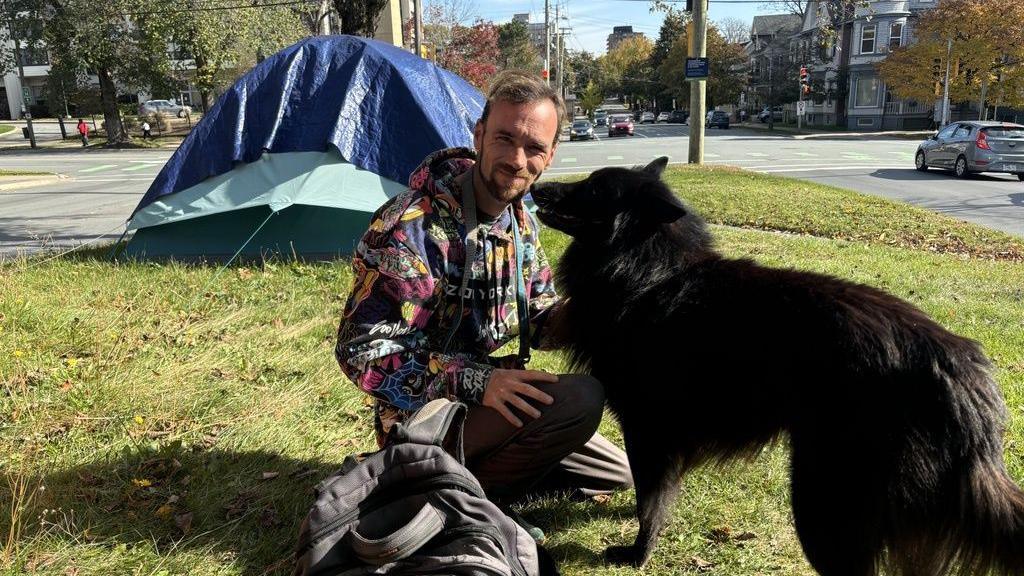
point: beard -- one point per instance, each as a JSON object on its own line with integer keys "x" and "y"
{"x": 505, "y": 194}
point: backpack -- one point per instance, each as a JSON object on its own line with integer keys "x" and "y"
{"x": 413, "y": 508}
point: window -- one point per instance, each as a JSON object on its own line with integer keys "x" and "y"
{"x": 867, "y": 92}
{"x": 948, "y": 131}
{"x": 865, "y": 122}
{"x": 867, "y": 39}
{"x": 895, "y": 35}
{"x": 963, "y": 132}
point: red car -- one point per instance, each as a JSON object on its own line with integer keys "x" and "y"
{"x": 620, "y": 124}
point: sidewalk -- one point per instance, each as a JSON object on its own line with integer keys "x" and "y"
{"x": 810, "y": 133}
{"x": 9, "y": 183}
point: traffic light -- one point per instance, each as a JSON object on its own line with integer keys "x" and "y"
{"x": 805, "y": 80}
{"x": 937, "y": 75}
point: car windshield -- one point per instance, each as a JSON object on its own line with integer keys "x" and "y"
{"x": 620, "y": 119}
{"x": 582, "y": 124}
{"x": 1005, "y": 131}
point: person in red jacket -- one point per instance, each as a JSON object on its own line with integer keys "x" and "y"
{"x": 83, "y": 131}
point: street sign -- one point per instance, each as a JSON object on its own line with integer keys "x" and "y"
{"x": 697, "y": 68}
{"x": 801, "y": 108}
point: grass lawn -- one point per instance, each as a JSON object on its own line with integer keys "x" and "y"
{"x": 9, "y": 172}
{"x": 5, "y": 128}
{"x": 172, "y": 419}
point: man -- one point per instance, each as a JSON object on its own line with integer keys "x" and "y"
{"x": 83, "y": 131}
{"x": 145, "y": 130}
{"x": 420, "y": 323}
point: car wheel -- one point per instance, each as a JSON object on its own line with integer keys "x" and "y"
{"x": 1020, "y": 176}
{"x": 181, "y": 113}
{"x": 919, "y": 162}
{"x": 960, "y": 168}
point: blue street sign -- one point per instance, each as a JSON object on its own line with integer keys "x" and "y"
{"x": 697, "y": 68}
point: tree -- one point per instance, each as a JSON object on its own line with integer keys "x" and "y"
{"x": 672, "y": 27}
{"x": 725, "y": 76}
{"x": 987, "y": 61}
{"x": 627, "y": 58}
{"x": 584, "y": 69}
{"x": 591, "y": 98}
{"x": 220, "y": 44}
{"x": 734, "y": 30}
{"x": 358, "y": 17}
{"x": 472, "y": 53}
{"x": 102, "y": 38}
{"x": 516, "y": 50}
{"x": 441, "y": 19}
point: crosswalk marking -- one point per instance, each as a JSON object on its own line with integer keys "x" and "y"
{"x": 98, "y": 168}
{"x": 138, "y": 167}
{"x": 807, "y": 154}
{"x": 615, "y": 157}
{"x": 568, "y": 159}
{"x": 757, "y": 154}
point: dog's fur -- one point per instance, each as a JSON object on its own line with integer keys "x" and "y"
{"x": 895, "y": 424}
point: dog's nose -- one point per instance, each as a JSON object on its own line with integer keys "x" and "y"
{"x": 541, "y": 194}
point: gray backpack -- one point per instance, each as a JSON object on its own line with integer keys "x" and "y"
{"x": 413, "y": 508}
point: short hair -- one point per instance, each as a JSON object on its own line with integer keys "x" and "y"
{"x": 518, "y": 87}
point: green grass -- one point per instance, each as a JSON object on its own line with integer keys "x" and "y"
{"x": 9, "y": 172}
{"x": 141, "y": 404}
{"x": 5, "y": 128}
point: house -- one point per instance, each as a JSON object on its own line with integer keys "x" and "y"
{"x": 768, "y": 53}
{"x": 874, "y": 30}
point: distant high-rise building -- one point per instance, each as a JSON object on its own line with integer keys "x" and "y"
{"x": 620, "y": 33}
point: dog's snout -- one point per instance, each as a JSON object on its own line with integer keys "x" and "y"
{"x": 542, "y": 194}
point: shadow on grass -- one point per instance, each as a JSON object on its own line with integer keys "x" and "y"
{"x": 245, "y": 505}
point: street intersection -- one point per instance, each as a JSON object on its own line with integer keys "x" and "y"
{"x": 103, "y": 186}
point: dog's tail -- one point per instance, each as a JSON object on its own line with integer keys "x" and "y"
{"x": 992, "y": 508}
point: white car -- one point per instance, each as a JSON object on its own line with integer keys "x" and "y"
{"x": 165, "y": 106}
{"x": 647, "y": 117}
{"x": 663, "y": 117}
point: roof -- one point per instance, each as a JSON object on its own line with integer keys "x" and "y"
{"x": 773, "y": 24}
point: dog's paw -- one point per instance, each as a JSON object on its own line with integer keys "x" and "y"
{"x": 624, "y": 555}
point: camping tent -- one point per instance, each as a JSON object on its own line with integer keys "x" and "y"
{"x": 296, "y": 156}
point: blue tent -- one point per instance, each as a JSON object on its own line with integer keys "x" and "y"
{"x": 296, "y": 156}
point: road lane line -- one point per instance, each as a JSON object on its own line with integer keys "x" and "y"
{"x": 615, "y": 158}
{"x": 138, "y": 167}
{"x": 568, "y": 159}
{"x": 98, "y": 168}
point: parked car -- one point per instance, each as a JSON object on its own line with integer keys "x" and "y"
{"x": 166, "y": 106}
{"x": 663, "y": 116}
{"x": 600, "y": 117}
{"x": 647, "y": 117}
{"x": 969, "y": 147}
{"x": 679, "y": 116}
{"x": 775, "y": 112}
{"x": 620, "y": 124}
{"x": 581, "y": 130}
{"x": 717, "y": 118}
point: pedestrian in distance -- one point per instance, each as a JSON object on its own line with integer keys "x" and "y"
{"x": 451, "y": 270}
{"x": 83, "y": 131}
{"x": 145, "y": 131}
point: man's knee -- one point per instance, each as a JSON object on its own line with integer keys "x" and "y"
{"x": 579, "y": 399}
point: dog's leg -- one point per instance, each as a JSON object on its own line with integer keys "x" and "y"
{"x": 656, "y": 477}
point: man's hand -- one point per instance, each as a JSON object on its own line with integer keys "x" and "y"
{"x": 508, "y": 388}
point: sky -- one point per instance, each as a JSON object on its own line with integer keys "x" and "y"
{"x": 592, "y": 20}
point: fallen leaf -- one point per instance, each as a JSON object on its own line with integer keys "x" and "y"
{"x": 700, "y": 563}
{"x": 601, "y": 498}
{"x": 164, "y": 512}
{"x": 244, "y": 273}
{"x": 270, "y": 475}
{"x": 278, "y": 323}
{"x": 184, "y": 522}
{"x": 720, "y": 533}
{"x": 66, "y": 385}
{"x": 142, "y": 482}
{"x": 745, "y": 536}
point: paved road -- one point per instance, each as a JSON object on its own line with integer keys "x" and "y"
{"x": 104, "y": 186}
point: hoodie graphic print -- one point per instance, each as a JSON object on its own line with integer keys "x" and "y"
{"x": 395, "y": 340}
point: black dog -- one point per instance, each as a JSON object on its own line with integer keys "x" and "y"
{"x": 895, "y": 424}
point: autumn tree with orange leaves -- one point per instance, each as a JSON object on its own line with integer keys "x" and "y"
{"x": 987, "y": 56}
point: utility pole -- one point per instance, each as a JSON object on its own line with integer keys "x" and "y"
{"x": 945, "y": 87}
{"x": 699, "y": 49}
{"x": 417, "y": 7}
{"x": 25, "y": 111}
{"x": 561, "y": 61}
{"x": 547, "y": 42}
{"x": 558, "y": 61}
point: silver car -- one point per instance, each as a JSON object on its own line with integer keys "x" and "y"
{"x": 969, "y": 147}
{"x": 165, "y": 106}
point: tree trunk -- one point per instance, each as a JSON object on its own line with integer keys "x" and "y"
{"x": 116, "y": 134}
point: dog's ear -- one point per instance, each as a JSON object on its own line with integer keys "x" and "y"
{"x": 661, "y": 205}
{"x": 657, "y": 166}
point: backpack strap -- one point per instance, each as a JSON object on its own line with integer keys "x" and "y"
{"x": 439, "y": 422}
{"x": 399, "y": 544}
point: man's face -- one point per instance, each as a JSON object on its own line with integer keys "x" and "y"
{"x": 515, "y": 146}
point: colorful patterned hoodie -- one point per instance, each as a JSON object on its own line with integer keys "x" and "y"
{"x": 408, "y": 272}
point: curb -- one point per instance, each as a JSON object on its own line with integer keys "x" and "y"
{"x": 28, "y": 181}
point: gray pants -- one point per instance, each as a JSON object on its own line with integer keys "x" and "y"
{"x": 559, "y": 451}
